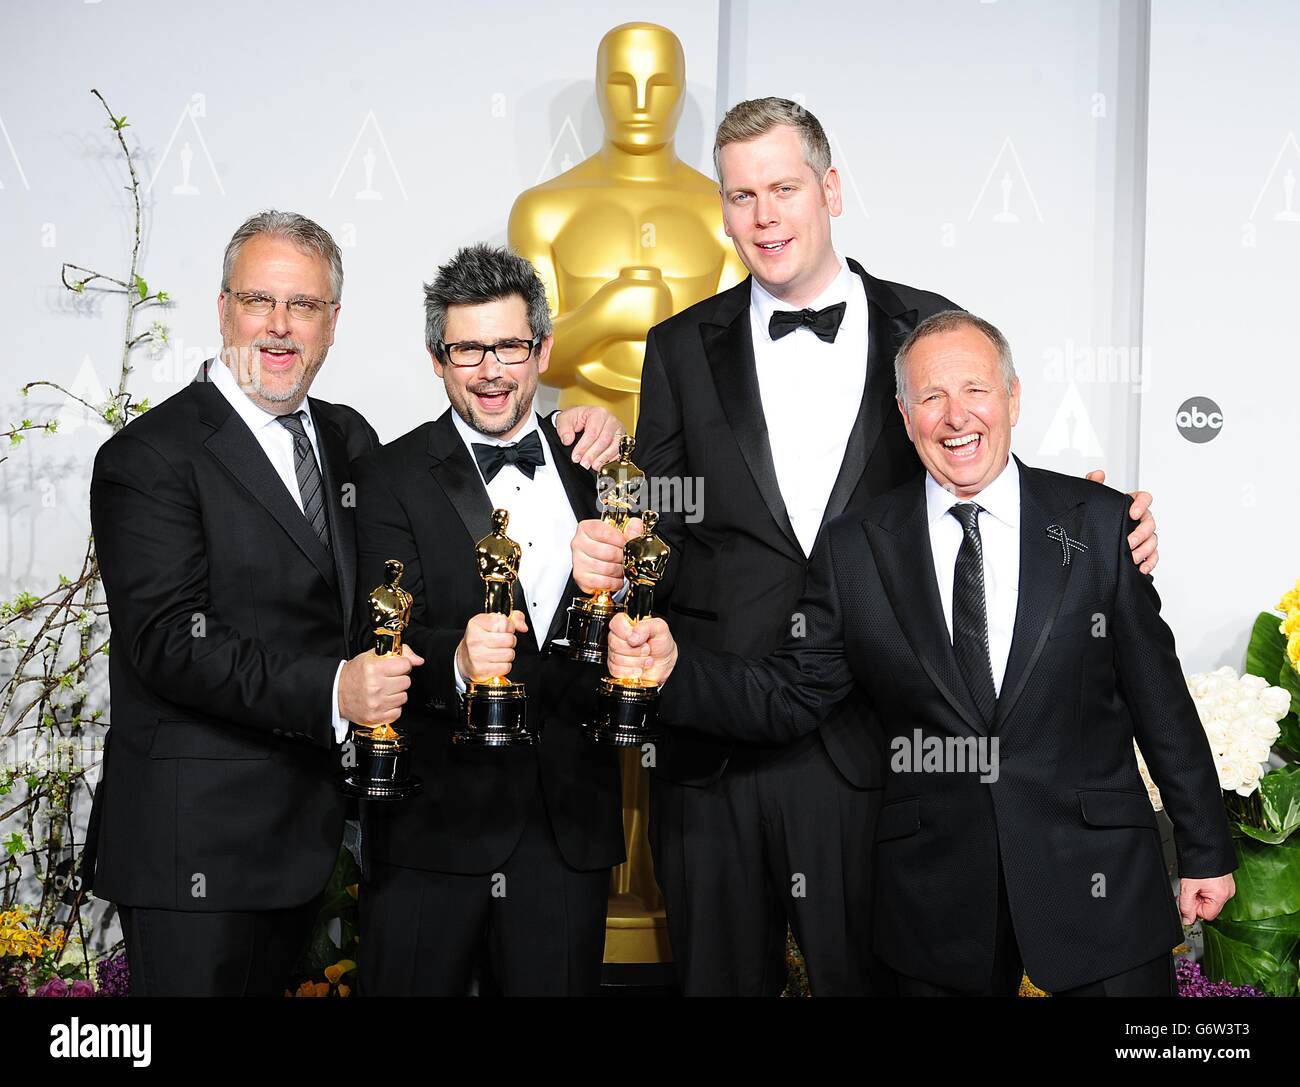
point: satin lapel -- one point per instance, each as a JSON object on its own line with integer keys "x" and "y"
{"x": 580, "y": 486}
{"x": 1043, "y": 577}
{"x": 901, "y": 545}
{"x": 730, "y": 351}
{"x": 334, "y": 469}
{"x": 886, "y": 331}
{"x": 233, "y": 444}
{"x": 454, "y": 470}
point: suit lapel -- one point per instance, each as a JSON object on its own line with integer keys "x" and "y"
{"x": 454, "y": 470}
{"x": 233, "y": 444}
{"x": 334, "y": 469}
{"x": 580, "y": 486}
{"x": 1043, "y": 577}
{"x": 887, "y": 327}
{"x": 729, "y": 347}
{"x": 901, "y": 545}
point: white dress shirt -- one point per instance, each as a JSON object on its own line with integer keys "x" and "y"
{"x": 811, "y": 391}
{"x": 542, "y": 523}
{"x": 277, "y": 444}
{"x": 999, "y": 527}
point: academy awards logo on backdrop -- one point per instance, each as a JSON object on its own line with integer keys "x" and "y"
{"x": 841, "y": 160}
{"x": 564, "y": 154}
{"x": 86, "y": 387}
{"x": 185, "y": 176}
{"x": 13, "y": 156}
{"x": 366, "y": 181}
{"x": 1010, "y": 196}
{"x": 1278, "y": 201}
{"x": 1199, "y": 419}
{"x": 1071, "y": 429}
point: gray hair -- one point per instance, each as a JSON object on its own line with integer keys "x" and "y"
{"x": 750, "y": 119}
{"x": 950, "y": 320}
{"x": 479, "y": 274}
{"x": 307, "y": 235}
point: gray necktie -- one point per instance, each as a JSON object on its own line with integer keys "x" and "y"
{"x": 305, "y": 468}
{"x": 970, "y": 623}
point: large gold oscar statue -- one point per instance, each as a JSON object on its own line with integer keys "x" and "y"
{"x": 625, "y": 239}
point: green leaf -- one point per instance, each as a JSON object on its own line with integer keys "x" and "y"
{"x": 1268, "y": 881}
{"x": 1288, "y": 679}
{"x": 1279, "y": 793}
{"x": 1233, "y": 960}
{"x": 1266, "y": 650}
{"x": 14, "y": 844}
{"x": 163, "y": 296}
{"x": 142, "y": 288}
{"x": 15, "y": 438}
{"x": 119, "y": 123}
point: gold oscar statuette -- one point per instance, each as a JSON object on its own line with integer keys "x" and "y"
{"x": 493, "y": 709}
{"x": 383, "y": 755}
{"x": 627, "y": 708}
{"x": 620, "y": 486}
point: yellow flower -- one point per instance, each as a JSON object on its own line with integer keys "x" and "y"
{"x": 333, "y": 973}
{"x": 344, "y": 990}
{"x": 1293, "y": 650}
{"x": 1290, "y": 599}
{"x": 1291, "y": 623}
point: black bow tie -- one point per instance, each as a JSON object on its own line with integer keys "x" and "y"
{"x": 525, "y": 454}
{"x": 825, "y": 323}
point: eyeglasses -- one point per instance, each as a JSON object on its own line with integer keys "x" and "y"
{"x": 300, "y": 309}
{"x": 506, "y": 352}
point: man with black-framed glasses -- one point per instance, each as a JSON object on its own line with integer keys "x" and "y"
{"x": 508, "y": 847}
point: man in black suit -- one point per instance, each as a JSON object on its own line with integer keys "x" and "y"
{"x": 227, "y": 551}
{"x": 989, "y": 619}
{"x": 511, "y": 847}
{"x": 775, "y": 395}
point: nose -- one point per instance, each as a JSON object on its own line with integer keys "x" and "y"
{"x": 277, "y": 321}
{"x": 955, "y": 414}
{"x": 641, "y": 92}
{"x": 765, "y": 213}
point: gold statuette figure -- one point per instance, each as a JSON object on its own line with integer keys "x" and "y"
{"x": 383, "y": 755}
{"x": 627, "y": 709}
{"x": 493, "y": 708}
{"x": 620, "y": 488}
{"x": 629, "y": 236}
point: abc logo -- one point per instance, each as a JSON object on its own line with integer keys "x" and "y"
{"x": 1199, "y": 419}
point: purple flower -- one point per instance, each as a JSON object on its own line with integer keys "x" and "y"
{"x": 113, "y": 975}
{"x": 81, "y": 988}
{"x": 1193, "y": 983}
{"x": 53, "y": 987}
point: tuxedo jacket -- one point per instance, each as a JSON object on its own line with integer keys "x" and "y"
{"x": 1092, "y": 667}
{"x": 735, "y": 575}
{"x": 229, "y": 621}
{"x": 421, "y": 499}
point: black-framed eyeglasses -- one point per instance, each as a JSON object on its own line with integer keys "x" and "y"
{"x": 507, "y": 352}
{"x": 302, "y": 308}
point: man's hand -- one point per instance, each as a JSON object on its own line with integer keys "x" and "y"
{"x": 600, "y": 434}
{"x": 597, "y": 557}
{"x": 643, "y": 650}
{"x": 1204, "y": 897}
{"x": 372, "y": 689}
{"x": 1142, "y": 540}
{"x": 488, "y": 648}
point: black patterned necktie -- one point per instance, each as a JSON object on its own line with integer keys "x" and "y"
{"x": 310, "y": 488}
{"x": 525, "y": 454}
{"x": 970, "y": 620}
{"x": 825, "y": 323}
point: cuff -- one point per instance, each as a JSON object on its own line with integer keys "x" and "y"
{"x": 340, "y": 722}
{"x": 462, "y": 685}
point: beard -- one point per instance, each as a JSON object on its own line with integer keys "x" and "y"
{"x": 488, "y": 424}
{"x": 248, "y": 370}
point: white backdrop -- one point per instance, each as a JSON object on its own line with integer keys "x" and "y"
{"x": 1081, "y": 172}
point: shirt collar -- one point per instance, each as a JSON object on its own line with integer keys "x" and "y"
{"x": 255, "y": 417}
{"x": 1000, "y": 499}
{"x": 763, "y": 303}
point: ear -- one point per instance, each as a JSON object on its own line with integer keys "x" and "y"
{"x": 334, "y": 322}
{"x": 722, "y": 200}
{"x": 1014, "y": 406}
{"x": 907, "y": 421}
{"x": 544, "y": 354}
{"x": 437, "y": 366}
{"x": 832, "y": 192}
{"x": 221, "y": 308}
